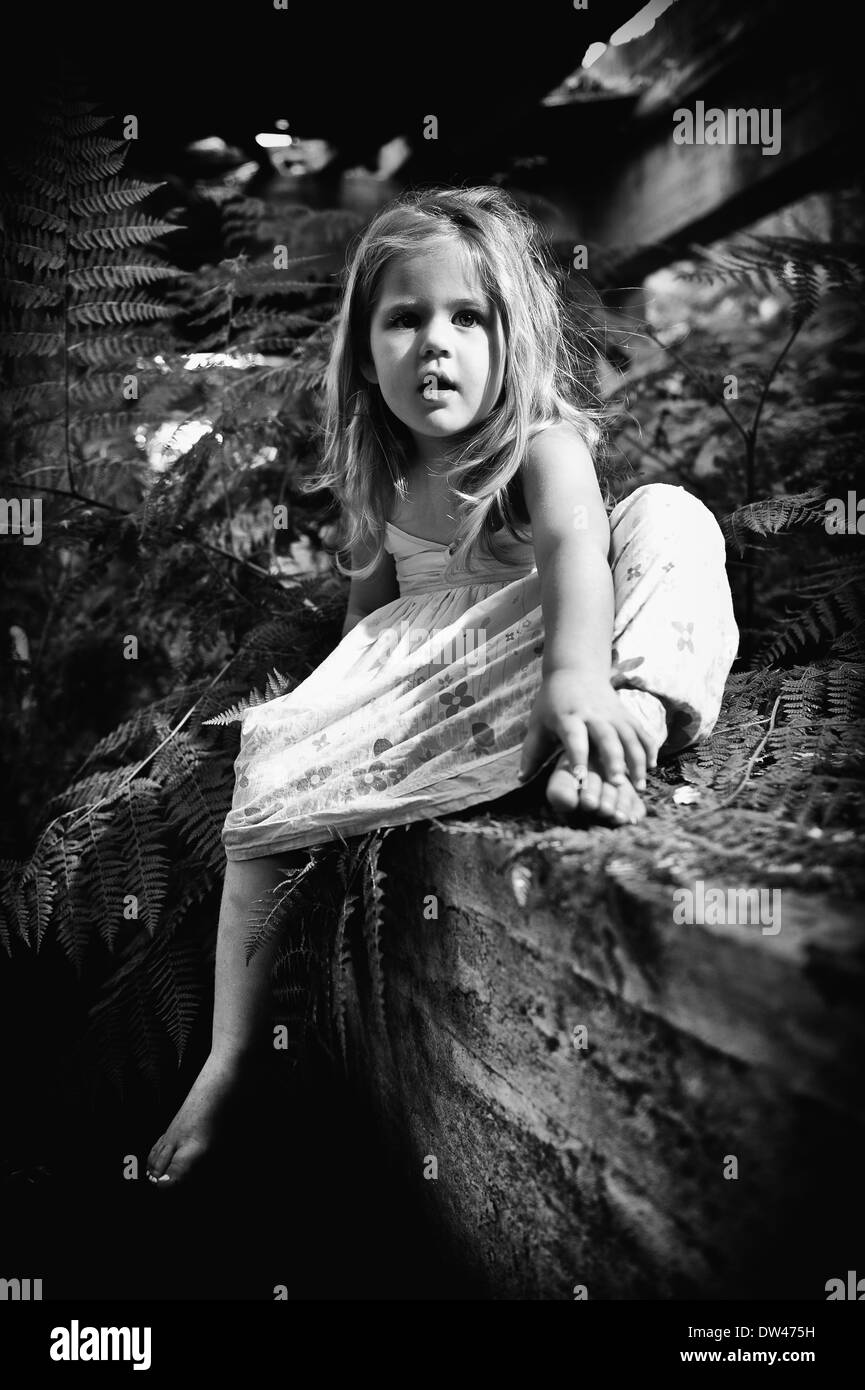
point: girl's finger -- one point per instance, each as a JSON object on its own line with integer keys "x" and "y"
{"x": 608, "y": 746}
{"x": 535, "y": 746}
{"x": 635, "y": 755}
{"x": 648, "y": 742}
{"x": 575, "y": 740}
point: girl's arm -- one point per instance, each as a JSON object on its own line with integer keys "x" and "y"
{"x": 366, "y": 595}
{"x": 576, "y": 705}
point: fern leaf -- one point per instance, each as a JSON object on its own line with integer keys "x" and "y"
{"x": 112, "y": 198}
{"x": 106, "y": 313}
{"x": 90, "y": 168}
{"x": 61, "y": 863}
{"x": 122, "y": 236}
{"x": 37, "y": 891}
{"x": 277, "y": 685}
{"x": 29, "y": 296}
{"x": 141, "y": 828}
{"x": 266, "y": 921}
{"x": 111, "y": 277}
{"x": 33, "y": 216}
{"x": 106, "y": 351}
{"x": 373, "y": 920}
{"x": 770, "y": 516}
{"x": 341, "y": 970}
{"x": 11, "y": 923}
{"x": 173, "y": 974}
{"x": 42, "y": 344}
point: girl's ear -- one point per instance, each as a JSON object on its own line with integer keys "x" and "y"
{"x": 368, "y": 371}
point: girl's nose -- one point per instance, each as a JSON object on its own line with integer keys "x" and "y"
{"x": 436, "y": 338}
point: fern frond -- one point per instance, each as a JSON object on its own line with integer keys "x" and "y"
{"x": 122, "y": 236}
{"x": 29, "y": 296}
{"x": 277, "y": 685}
{"x": 107, "y": 313}
{"x": 61, "y": 863}
{"x": 42, "y": 344}
{"x": 341, "y": 969}
{"x": 140, "y": 829}
{"x": 821, "y": 619}
{"x": 373, "y": 919}
{"x": 267, "y": 920}
{"x": 114, "y": 197}
{"x": 770, "y": 516}
{"x": 128, "y": 276}
{"x": 43, "y": 258}
{"x": 193, "y": 779}
{"x": 98, "y": 351}
{"x": 173, "y": 973}
{"x": 33, "y": 216}
{"x": 11, "y": 923}
{"x": 37, "y": 891}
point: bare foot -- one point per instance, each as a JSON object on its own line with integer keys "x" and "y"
{"x": 601, "y": 801}
{"x": 191, "y": 1133}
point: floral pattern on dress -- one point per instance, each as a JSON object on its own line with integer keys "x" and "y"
{"x": 456, "y": 699}
{"x": 351, "y": 749}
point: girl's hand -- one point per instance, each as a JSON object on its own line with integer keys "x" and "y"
{"x": 584, "y": 714}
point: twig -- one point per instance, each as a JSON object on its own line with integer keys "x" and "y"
{"x": 176, "y": 530}
{"x": 105, "y": 800}
{"x": 728, "y": 800}
{"x": 707, "y": 391}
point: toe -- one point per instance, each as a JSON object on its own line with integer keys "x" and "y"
{"x": 182, "y": 1159}
{"x": 562, "y": 791}
{"x": 590, "y": 793}
{"x": 159, "y": 1158}
{"x": 629, "y": 807}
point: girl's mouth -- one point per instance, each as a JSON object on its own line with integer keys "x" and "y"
{"x": 432, "y": 386}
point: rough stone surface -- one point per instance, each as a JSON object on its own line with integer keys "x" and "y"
{"x": 604, "y": 1166}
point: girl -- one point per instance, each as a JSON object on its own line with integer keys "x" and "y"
{"x": 497, "y": 618}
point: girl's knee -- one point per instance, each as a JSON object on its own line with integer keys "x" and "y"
{"x": 665, "y": 511}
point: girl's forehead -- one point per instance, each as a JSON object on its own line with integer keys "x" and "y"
{"x": 440, "y": 268}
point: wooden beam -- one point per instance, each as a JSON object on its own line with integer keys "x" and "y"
{"x": 638, "y": 200}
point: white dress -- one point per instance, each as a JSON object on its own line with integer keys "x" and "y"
{"x": 422, "y": 708}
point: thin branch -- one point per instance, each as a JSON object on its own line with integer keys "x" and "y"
{"x": 112, "y": 796}
{"x": 176, "y": 530}
{"x": 704, "y": 387}
{"x": 770, "y": 377}
{"x": 728, "y": 800}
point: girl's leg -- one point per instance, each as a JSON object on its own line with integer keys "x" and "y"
{"x": 675, "y": 636}
{"x": 240, "y": 1014}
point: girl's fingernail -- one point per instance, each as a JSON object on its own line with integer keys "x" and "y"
{"x": 641, "y": 785}
{"x": 617, "y": 779}
{"x": 579, "y": 773}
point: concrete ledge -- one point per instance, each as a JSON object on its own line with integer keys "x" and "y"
{"x": 604, "y": 1165}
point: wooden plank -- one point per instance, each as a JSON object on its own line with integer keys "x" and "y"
{"x": 690, "y": 46}
{"x": 604, "y": 1164}
{"x": 646, "y": 209}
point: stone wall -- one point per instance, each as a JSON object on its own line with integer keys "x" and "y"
{"x": 708, "y": 1050}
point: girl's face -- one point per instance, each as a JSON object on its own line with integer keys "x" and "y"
{"x": 437, "y": 345}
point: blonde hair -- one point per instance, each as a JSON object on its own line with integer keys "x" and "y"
{"x": 366, "y": 448}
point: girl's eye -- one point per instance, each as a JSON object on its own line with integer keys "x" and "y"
{"x": 399, "y": 318}
{"x": 469, "y": 314}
